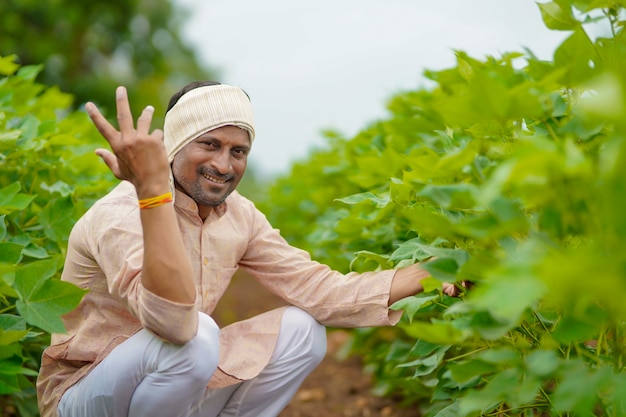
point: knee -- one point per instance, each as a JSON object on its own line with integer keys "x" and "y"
{"x": 310, "y": 333}
{"x": 208, "y": 330}
{"x": 202, "y": 351}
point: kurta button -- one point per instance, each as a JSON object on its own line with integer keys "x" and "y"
{"x": 205, "y": 261}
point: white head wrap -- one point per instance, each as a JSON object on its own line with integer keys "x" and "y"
{"x": 203, "y": 109}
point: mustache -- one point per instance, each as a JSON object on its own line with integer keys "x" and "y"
{"x": 213, "y": 173}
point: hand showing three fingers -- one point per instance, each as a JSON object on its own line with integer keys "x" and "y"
{"x": 137, "y": 155}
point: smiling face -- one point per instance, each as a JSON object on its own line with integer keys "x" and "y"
{"x": 209, "y": 168}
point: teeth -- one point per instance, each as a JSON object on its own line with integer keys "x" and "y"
{"x": 213, "y": 179}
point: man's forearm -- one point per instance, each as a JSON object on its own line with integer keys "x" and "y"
{"x": 406, "y": 282}
{"x": 166, "y": 266}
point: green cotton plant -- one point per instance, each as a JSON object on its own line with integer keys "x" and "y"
{"x": 508, "y": 173}
{"x": 49, "y": 177}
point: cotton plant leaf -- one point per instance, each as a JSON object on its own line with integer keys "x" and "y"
{"x": 557, "y": 16}
{"x": 442, "y": 333}
{"x": 411, "y": 305}
{"x": 11, "y": 199}
{"x": 44, "y": 300}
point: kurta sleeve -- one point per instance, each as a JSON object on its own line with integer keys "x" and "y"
{"x": 113, "y": 236}
{"x": 334, "y": 299}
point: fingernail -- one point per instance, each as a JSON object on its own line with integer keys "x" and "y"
{"x": 120, "y": 92}
{"x": 150, "y": 108}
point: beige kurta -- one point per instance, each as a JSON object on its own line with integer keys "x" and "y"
{"x": 105, "y": 257}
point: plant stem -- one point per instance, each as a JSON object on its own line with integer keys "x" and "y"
{"x": 467, "y": 354}
{"x": 521, "y": 407}
{"x": 593, "y": 45}
{"x": 4, "y": 310}
{"x": 545, "y": 395}
{"x": 528, "y": 332}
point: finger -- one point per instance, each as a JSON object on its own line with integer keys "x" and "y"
{"x": 104, "y": 127}
{"x": 145, "y": 120}
{"x": 158, "y": 133}
{"x": 449, "y": 289}
{"x": 111, "y": 161}
{"x": 124, "y": 115}
{"x": 449, "y": 292}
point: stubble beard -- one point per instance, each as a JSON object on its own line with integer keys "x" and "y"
{"x": 201, "y": 196}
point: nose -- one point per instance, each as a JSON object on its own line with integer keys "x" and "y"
{"x": 221, "y": 162}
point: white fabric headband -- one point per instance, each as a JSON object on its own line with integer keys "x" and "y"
{"x": 204, "y": 109}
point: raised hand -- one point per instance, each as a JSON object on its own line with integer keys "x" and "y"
{"x": 137, "y": 155}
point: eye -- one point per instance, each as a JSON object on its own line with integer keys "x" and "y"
{"x": 210, "y": 144}
{"x": 240, "y": 153}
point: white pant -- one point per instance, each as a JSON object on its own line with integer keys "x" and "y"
{"x": 145, "y": 376}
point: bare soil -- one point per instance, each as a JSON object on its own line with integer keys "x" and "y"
{"x": 337, "y": 388}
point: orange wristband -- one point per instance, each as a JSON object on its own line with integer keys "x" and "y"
{"x": 157, "y": 201}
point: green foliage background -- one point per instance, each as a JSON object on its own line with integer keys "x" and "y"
{"x": 89, "y": 48}
{"x": 50, "y": 176}
{"x": 510, "y": 173}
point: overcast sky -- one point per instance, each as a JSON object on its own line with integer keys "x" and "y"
{"x": 312, "y": 65}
